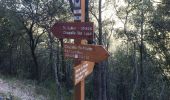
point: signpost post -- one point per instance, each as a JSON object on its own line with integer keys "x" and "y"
{"x": 79, "y": 91}
{"x": 85, "y": 55}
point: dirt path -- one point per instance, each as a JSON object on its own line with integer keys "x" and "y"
{"x": 21, "y": 90}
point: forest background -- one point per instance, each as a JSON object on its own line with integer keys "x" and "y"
{"x": 135, "y": 32}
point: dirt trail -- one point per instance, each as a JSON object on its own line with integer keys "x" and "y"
{"x": 20, "y": 89}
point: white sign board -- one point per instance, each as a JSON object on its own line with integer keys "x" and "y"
{"x": 81, "y": 71}
{"x": 77, "y": 11}
{"x": 77, "y": 17}
{"x": 77, "y": 4}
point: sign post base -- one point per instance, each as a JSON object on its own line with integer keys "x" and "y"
{"x": 79, "y": 91}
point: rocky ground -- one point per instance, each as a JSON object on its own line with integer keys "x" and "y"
{"x": 21, "y": 89}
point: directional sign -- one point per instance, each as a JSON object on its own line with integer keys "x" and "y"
{"x": 77, "y": 4}
{"x": 77, "y": 11}
{"x": 81, "y": 71}
{"x": 73, "y": 30}
{"x": 77, "y": 17}
{"x": 94, "y": 53}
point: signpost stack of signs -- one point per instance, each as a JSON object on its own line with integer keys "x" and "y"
{"x": 85, "y": 55}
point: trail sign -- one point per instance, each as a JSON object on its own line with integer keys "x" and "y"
{"x": 94, "y": 53}
{"x": 77, "y": 17}
{"x": 73, "y": 30}
{"x": 77, "y": 4}
{"x": 81, "y": 71}
{"x": 77, "y": 11}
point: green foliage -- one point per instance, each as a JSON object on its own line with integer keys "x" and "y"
{"x": 25, "y": 28}
{"x": 49, "y": 87}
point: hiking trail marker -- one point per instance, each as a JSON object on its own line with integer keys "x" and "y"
{"x": 88, "y": 52}
{"x": 73, "y": 30}
{"x": 81, "y": 71}
{"x": 85, "y": 55}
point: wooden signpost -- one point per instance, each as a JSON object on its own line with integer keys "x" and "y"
{"x": 85, "y": 55}
{"x": 79, "y": 89}
{"x": 81, "y": 71}
{"x": 88, "y": 52}
{"x": 73, "y": 30}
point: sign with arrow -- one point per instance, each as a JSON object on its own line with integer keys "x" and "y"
{"x": 73, "y": 30}
{"x": 94, "y": 53}
{"x": 81, "y": 71}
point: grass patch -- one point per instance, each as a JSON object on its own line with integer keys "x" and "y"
{"x": 46, "y": 88}
{"x": 54, "y": 92}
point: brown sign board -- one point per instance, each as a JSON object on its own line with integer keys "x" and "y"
{"x": 94, "y": 53}
{"x": 81, "y": 71}
{"x": 73, "y": 30}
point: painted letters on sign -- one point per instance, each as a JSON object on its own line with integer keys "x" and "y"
{"x": 73, "y": 30}
{"x": 81, "y": 71}
{"x": 94, "y": 53}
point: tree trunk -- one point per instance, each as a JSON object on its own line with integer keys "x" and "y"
{"x": 162, "y": 91}
{"x": 58, "y": 85}
{"x": 63, "y": 65}
{"x": 51, "y": 61}
{"x": 10, "y": 59}
{"x": 97, "y": 83}
{"x": 142, "y": 82}
{"x": 103, "y": 80}
{"x": 32, "y": 45}
{"x": 136, "y": 73}
{"x": 100, "y": 68}
{"x": 36, "y": 70}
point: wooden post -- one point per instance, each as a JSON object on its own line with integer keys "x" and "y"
{"x": 79, "y": 91}
{"x": 81, "y": 68}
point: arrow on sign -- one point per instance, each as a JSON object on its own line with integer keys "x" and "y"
{"x": 73, "y": 30}
{"x": 81, "y": 71}
{"x": 94, "y": 53}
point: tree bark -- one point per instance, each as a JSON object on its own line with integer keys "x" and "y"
{"x": 136, "y": 71}
{"x": 36, "y": 70}
{"x": 142, "y": 82}
{"x": 100, "y": 68}
{"x": 32, "y": 44}
{"x": 63, "y": 67}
